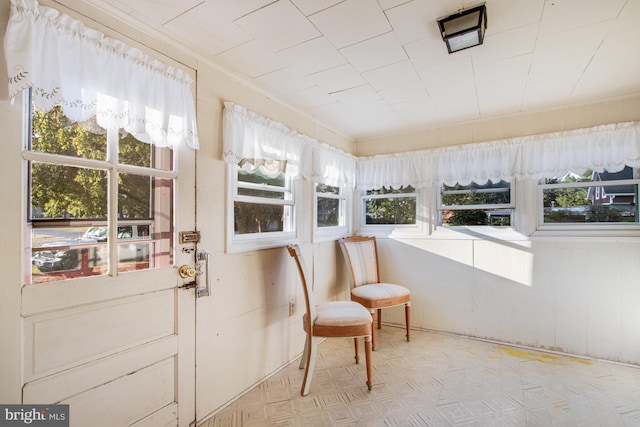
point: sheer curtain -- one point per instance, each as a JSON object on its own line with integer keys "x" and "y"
{"x": 68, "y": 64}
{"x": 247, "y": 135}
{"x": 609, "y": 147}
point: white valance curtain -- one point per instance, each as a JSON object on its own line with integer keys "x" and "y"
{"x": 609, "y": 147}
{"x": 65, "y": 63}
{"x": 247, "y": 135}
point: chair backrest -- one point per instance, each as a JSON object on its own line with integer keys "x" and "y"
{"x": 361, "y": 256}
{"x": 309, "y": 301}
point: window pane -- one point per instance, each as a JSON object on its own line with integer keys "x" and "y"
{"x": 134, "y": 196}
{"x": 54, "y": 133}
{"x": 259, "y": 218}
{"x": 66, "y": 192}
{"x": 67, "y": 252}
{"x": 400, "y": 210}
{"x": 391, "y": 190}
{"x": 131, "y": 151}
{"x": 474, "y": 194}
{"x": 145, "y": 225}
{"x": 603, "y": 202}
{"x": 328, "y": 212}
{"x": 327, "y": 189}
{"x": 494, "y": 217}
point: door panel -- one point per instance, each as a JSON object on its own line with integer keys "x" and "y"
{"x": 67, "y": 338}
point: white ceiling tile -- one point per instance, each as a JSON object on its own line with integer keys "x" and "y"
{"x": 375, "y": 52}
{"x": 628, "y": 18}
{"x": 417, "y": 20}
{"x": 404, "y": 93}
{"x": 427, "y": 52}
{"x": 501, "y": 97}
{"x": 279, "y": 25}
{"x": 309, "y": 7}
{"x": 338, "y": 78}
{"x": 541, "y": 94}
{"x": 351, "y": 21}
{"x": 156, "y": 11}
{"x": 251, "y": 59}
{"x": 507, "y": 44}
{"x": 209, "y": 37}
{"x": 575, "y": 42}
{"x": 457, "y": 100}
{"x": 517, "y": 66}
{"x": 313, "y": 56}
{"x": 357, "y": 96}
{"x": 285, "y": 80}
{"x": 388, "y": 4}
{"x": 563, "y": 15}
{"x": 311, "y": 97}
{"x": 393, "y": 75}
{"x": 503, "y": 15}
{"x": 567, "y": 69}
{"x": 449, "y": 71}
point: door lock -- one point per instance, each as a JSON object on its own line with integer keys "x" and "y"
{"x": 186, "y": 271}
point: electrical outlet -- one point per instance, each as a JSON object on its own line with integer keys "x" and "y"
{"x": 292, "y": 307}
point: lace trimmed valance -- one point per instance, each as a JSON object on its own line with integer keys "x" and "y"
{"x": 609, "y": 147}
{"x": 65, "y": 63}
{"x": 247, "y": 135}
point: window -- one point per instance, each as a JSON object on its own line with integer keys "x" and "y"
{"x": 83, "y": 180}
{"x": 263, "y": 203}
{"x": 589, "y": 198}
{"x": 474, "y": 204}
{"x": 390, "y": 206}
{"x": 330, "y": 211}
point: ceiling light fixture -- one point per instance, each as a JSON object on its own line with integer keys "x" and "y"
{"x": 464, "y": 29}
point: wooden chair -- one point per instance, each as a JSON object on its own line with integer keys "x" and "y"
{"x": 361, "y": 256}
{"x": 346, "y": 319}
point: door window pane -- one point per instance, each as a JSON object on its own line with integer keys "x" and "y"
{"x": 54, "y": 133}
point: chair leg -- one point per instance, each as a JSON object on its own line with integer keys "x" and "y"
{"x": 310, "y": 365}
{"x": 368, "y": 348}
{"x": 355, "y": 343}
{"x": 407, "y": 318}
{"x": 379, "y": 318}
{"x": 373, "y": 331}
{"x": 303, "y": 359}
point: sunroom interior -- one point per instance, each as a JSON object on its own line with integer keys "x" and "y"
{"x": 349, "y": 117}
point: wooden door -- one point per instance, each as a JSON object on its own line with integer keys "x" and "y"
{"x": 107, "y": 326}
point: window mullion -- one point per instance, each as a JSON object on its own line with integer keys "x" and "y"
{"x": 112, "y": 201}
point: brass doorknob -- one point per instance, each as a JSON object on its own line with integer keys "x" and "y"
{"x": 186, "y": 271}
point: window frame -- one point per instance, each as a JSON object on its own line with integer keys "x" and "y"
{"x": 256, "y": 241}
{"x": 601, "y": 228}
{"x": 417, "y": 230}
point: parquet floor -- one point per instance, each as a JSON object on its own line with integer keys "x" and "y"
{"x": 442, "y": 380}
